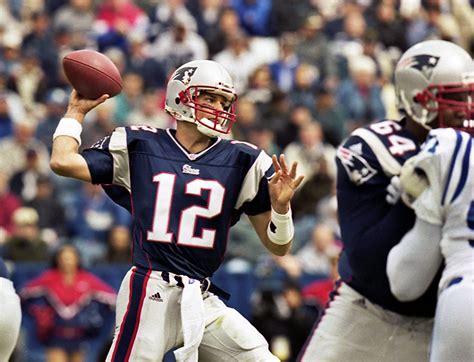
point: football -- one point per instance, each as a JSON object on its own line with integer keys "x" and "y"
{"x": 92, "y": 74}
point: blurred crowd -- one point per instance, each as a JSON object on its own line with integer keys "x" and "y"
{"x": 307, "y": 72}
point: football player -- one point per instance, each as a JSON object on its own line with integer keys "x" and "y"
{"x": 365, "y": 321}
{"x": 443, "y": 231}
{"x": 185, "y": 188}
{"x": 10, "y": 315}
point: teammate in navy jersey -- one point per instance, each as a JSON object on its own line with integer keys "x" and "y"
{"x": 364, "y": 321}
{"x": 10, "y": 314}
{"x": 185, "y": 189}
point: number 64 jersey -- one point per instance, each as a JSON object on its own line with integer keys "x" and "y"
{"x": 182, "y": 204}
{"x": 370, "y": 226}
{"x": 447, "y": 159}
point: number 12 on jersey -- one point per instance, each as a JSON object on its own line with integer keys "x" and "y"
{"x": 186, "y": 229}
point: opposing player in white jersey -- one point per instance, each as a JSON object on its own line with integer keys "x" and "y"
{"x": 10, "y": 315}
{"x": 185, "y": 188}
{"x": 444, "y": 231}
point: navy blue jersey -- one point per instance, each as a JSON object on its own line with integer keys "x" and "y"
{"x": 182, "y": 204}
{"x": 370, "y": 226}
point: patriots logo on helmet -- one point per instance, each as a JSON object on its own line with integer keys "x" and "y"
{"x": 357, "y": 168}
{"x": 425, "y": 63}
{"x": 184, "y": 74}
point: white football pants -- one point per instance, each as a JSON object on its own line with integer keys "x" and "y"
{"x": 453, "y": 335}
{"x": 354, "y": 329}
{"x": 148, "y": 324}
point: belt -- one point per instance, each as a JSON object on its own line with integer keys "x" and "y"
{"x": 206, "y": 285}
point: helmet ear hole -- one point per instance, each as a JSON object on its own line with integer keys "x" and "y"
{"x": 177, "y": 100}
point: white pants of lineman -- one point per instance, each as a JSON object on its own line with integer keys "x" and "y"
{"x": 148, "y": 324}
{"x": 453, "y": 334}
{"x": 10, "y": 318}
{"x": 354, "y": 329}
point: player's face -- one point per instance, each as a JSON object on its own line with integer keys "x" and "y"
{"x": 456, "y": 110}
{"x": 211, "y": 106}
{"x": 213, "y": 101}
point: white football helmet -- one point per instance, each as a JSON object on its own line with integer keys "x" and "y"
{"x": 185, "y": 85}
{"x": 432, "y": 76}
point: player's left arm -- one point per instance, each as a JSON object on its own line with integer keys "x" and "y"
{"x": 275, "y": 228}
{"x": 413, "y": 263}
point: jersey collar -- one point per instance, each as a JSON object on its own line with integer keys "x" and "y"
{"x": 192, "y": 156}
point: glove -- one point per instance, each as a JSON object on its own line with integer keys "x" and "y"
{"x": 413, "y": 181}
{"x": 394, "y": 191}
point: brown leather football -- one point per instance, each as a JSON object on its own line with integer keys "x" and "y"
{"x": 92, "y": 74}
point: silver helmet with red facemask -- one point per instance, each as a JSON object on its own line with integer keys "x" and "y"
{"x": 188, "y": 82}
{"x": 434, "y": 76}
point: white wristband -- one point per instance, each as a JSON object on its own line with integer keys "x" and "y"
{"x": 280, "y": 229}
{"x": 69, "y": 127}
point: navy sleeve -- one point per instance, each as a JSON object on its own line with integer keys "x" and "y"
{"x": 261, "y": 202}
{"x": 100, "y": 162}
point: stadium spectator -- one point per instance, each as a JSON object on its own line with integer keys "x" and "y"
{"x": 254, "y": 15}
{"x": 23, "y": 182}
{"x": 313, "y": 47}
{"x": 288, "y": 15}
{"x": 25, "y": 243}
{"x": 150, "y": 112}
{"x": 318, "y": 292}
{"x": 117, "y": 18}
{"x": 207, "y": 14}
{"x": 178, "y": 45}
{"x": 129, "y": 99}
{"x": 164, "y": 14}
{"x": 55, "y": 105}
{"x": 39, "y": 43}
{"x": 238, "y": 59}
{"x": 306, "y": 79}
{"x": 390, "y": 27}
{"x": 78, "y": 17}
{"x": 52, "y": 219}
{"x": 29, "y": 80}
{"x": 10, "y": 202}
{"x": 118, "y": 246}
{"x": 13, "y": 150}
{"x": 264, "y": 138}
{"x": 100, "y": 124}
{"x": 15, "y": 108}
{"x": 247, "y": 113}
{"x": 229, "y": 24}
{"x": 69, "y": 306}
{"x": 330, "y": 115}
{"x": 360, "y": 96}
{"x": 316, "y": 158}
{"x": 140, "y": 61}
{"x": 90, "y": 218}
{"x": 283, "y": 70}
{"x": 315, "y": 257}
{"x": 6, "y": 121}
{"x": 284, "y": 317}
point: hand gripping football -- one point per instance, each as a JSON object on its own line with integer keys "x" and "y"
{"x": 92, "y": 74}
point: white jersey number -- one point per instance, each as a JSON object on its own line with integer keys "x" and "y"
{"x": 164, "y": 197}
{"x": 398, "y": 145}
